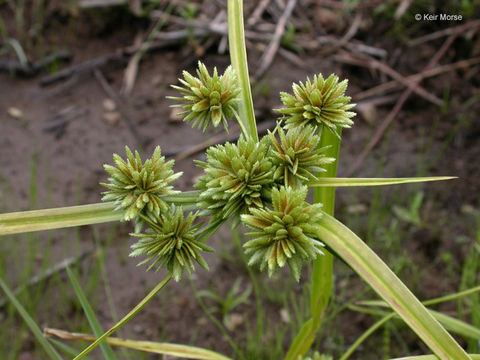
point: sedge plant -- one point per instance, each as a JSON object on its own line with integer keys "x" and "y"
{"x": 261, "y": 185}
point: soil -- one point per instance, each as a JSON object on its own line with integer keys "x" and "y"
{"x": 423, "y": 139}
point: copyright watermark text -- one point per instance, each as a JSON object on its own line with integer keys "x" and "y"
{"x": 438, "y": 17}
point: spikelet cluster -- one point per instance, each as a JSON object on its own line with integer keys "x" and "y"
{"x": 136, "y": 187}
{"x": 208, "y": 99}
{"x": 237, "y": 177}
{"x": 170, "y": 241}
{"x": 297, "y": 155}
{"x": 318, "y": 102}
{"x": 284, "y": 234}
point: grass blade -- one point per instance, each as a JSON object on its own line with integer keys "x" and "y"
{"x": 350, "y": 182}
{"x": 92, "y": 319}
{"x": 450, "y": 323}
{"x": 177, "y": 350}
{"x": 70, "y": 216}
{"x": 48, "y": 219}
{"x": 49, "y": 349}
{"x": 379, "y": 276}
{"x": 127, "y": 317}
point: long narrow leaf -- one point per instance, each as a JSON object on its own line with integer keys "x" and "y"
{"x": 177, "y": 350}
{"x": 49, "y": 349}
{"x": 450, "y": 323}
{"x": 354, "y": 182}
{"x": 70, "y": 216}
{"x": 47, "y": 219}
{"x": 92, "y": 319}
{"x": 378, "y": 275}
{"x": 126, "y": 318}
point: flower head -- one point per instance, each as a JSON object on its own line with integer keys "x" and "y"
{"x": 321, "y": 102}
{"x": 285, "y": 234}
{"x": 170, "y": 241}
{"x": 208, "y": 99}
{"x": 297, "y": 155}
{"x": 237, "y": 177}
{"x": 136, "y": 187}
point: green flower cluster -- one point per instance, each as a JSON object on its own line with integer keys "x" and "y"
{"x": 136, "y": 188}
{"x": 286, "y": 233}
{"x": 266, "y": 182}
{"x": 237, "y": 177}
{"x": 262, "y": 183}
{"x": 208, "y": 99}
{"x": 321, "y": 102}
{"x": 170, "y": 241}
{"x": 297, "y": 155}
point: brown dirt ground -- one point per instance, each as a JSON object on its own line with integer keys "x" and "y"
{"x": 70, "y": 164}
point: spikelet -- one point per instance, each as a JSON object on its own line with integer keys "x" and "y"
{"x": 284, "y": 234}
{"x": 136, "y": 188}
{"x": 321, "y": 102}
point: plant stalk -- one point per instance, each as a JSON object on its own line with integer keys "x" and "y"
{"x": 126, "y": 318}
{"x": 322, "y": 275}
{"x": 238, "y": 58}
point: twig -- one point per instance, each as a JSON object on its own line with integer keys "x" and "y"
{"x": 352, "y": 30}
{"x": 29, "y": 69}
{"x": 132, "y": 67}
{"x": 398, "y": 106}
{"x": 402, "y": 8}
{"x": 269, "y": 54}
{"x": 448, "y": 31}
{"x": 257, "y": 13}
{"x": 85, "y": 4}
{"x": 59, "y": 121}
{"x": 382, "y": 88}
{"x": 47, "y": 274}
{"x": 115, "y": 98}
{"x": 99, "y": 62}
{"x": 368, "y": 61}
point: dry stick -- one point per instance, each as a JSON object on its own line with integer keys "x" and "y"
{"x": 352, "y": 30}
{"x": 368, "y": 61}
{"x": 220, "y": 138}
{"x": 398, "y": 106}
{"x": 448, "y": 31}
{"x": 272, "y": 49}
{"x": 115, "y": 98}
{"x": 48, "y": 273}
{"x": 390, "y": 85}
{"x": 132, "y": 68}
{"x": 90, "y": 65}
{"x": 257, "y": 13}
{"x": 402, "y": 8}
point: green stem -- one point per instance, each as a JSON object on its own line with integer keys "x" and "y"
{"x": 127, "y": 317}
{"x": 238, "y": 58}
{"x": 70, "y": 216}
{"x": 322, "y": 275}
